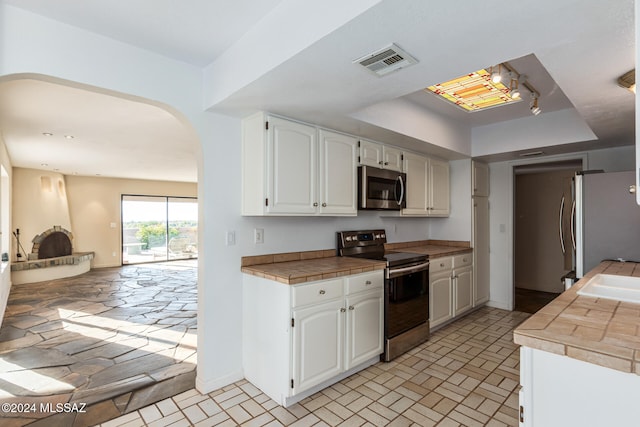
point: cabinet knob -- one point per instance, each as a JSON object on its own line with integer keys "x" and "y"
{"x": 322, "y": 292}
{"x": 315, "y": 204}
{"x": 442, "y": 264}
{"x": 386, "y": 163}
{"x": 324, "y": 205}
{"x": 380, "y": 162}
{"x": 351, "y": 307}
{"x": 368, "y": 282}
{"x": 464, "y": 260}
{"x": 342, "y": 310}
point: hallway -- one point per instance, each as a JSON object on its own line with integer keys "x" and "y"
{"x": 115, "y": 339}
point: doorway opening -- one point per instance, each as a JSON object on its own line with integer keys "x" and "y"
{"x": 158, "y": 228}
{"x": 544, "y": 252}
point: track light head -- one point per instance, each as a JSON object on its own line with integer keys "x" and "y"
{"x": 535, "y": 110}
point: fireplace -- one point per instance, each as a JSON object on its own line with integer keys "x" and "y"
{"x": 54, "y": 242}
{"x": 53, "y": 248}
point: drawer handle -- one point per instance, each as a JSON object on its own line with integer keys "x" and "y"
{"x": 342, "y": 310}
{"x": 368, "y": 282}
{"x": 322, "y": 292}
{"x": 351, "y": 307}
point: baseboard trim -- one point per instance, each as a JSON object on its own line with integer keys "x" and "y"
{"x": 499, "y": 304}
{"x": 207, "y": 386}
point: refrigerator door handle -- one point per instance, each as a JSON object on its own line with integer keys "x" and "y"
{"x": 573, "y": 225}
{"x": 560, "y": 231}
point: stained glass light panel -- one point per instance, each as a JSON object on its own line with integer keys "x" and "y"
{"x": 474, "y": 92}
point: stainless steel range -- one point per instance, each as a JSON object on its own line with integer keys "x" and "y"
{"x": 406, "y": 289}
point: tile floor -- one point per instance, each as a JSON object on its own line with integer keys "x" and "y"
{"x": 116, "y": 339}
{"x": 467, "y": 374}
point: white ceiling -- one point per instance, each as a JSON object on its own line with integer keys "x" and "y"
{"x": 572, "y": 50}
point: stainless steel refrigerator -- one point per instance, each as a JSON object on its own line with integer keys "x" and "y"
{"x": 606, "y": 219}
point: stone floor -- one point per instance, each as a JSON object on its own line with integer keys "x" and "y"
{"x": 467, "y": 374}
{"x": 113, "y": 339}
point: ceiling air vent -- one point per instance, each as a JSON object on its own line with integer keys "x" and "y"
{"x": 386, "y": 60}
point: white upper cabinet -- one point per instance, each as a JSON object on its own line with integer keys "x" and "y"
{"x": 292, "y": 150}
{"x": 338, "y": 174}
{"x": 291, "y": 168}
{"x": 380, "y": 156}
{"x": 480, "y": 179}
{"x": 427, "y": 186}
{"x": 439, "y": 187}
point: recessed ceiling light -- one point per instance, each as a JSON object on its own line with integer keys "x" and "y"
{"x": 47, "y": 133}
{"x": 44, "y": 165}
{"x": 69, "y": 136}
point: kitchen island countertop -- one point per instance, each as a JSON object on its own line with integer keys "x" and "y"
{"x": 595, "y": 330}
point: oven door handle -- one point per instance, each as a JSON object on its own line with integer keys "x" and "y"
{"x": 407, "y": 270}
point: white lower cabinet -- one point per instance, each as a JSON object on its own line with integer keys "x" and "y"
{"x": 298, "y": 339}
{"x": 559, "y": 391}
{"x": 450, "y": 288}
{"x": 318, "y": 341}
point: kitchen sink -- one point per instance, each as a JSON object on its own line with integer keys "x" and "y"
{"x": 611, "y": 286}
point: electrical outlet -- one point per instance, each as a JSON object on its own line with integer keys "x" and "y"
{"x": 231, "y": 238}
{"x": 258, "y": 235}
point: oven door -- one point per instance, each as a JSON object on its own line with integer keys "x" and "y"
{"x": 406, "y": 298}
{"x": 381, "y": 189}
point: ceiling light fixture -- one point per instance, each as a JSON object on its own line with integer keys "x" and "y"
{"x": 47, "y": 133}
{"x": 628, "y": 81}
{"x": 496, "y": 76}
{"x": 69, "y": 136}
{"x": 535, "y": 110}
{"x": 513, "y": 85}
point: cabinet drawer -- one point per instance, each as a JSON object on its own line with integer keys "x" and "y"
{"x": 316, "y": 292}
{"x": 365, "y": 282}
{"x": 440, "y": 264}
{"x": 462, "y": 260}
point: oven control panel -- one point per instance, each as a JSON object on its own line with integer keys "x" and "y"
{"x": 349, "y": 239}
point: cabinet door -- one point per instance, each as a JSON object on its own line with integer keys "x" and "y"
{"x": 391, "y": 158}
{"x": 463, "y": 290}
{"x": 338, "y": 178}
{"x": 439, "y": 187}
{"x": 371, "y": 153}
{"x": 481, "y": 249}
{"x": 440, "y": 298}
{"x": 480, "y": 179}
{"x": 365, "y": 328}
{"x": 291, "y": 167}
{"x": 318, "y": 349}
{"x": 416, "y": 168}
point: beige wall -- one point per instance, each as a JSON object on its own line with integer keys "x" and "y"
{"x": 5, "y": 225}
{"x": 94, "y": 204}
{"x": 39, "y": 203}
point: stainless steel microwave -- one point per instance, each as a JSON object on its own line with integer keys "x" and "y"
{"x": 381, "y": 189}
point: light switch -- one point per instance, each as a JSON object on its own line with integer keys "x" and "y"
{"x": 231, "y": 238}
{"x": 112, "y": 225}
{"x": 258, "y": 235}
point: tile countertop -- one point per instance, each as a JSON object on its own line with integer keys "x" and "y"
{"x": 299, "y": 267}
{"x": 595, "y": 330}
{"x": 433, "y": 251}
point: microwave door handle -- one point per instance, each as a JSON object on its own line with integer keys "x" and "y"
{"x": 399, "y": 200}
{"x": 560, "y": 228}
